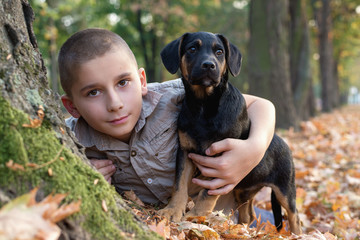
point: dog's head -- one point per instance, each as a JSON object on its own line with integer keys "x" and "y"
{"x": 203, "y": 58}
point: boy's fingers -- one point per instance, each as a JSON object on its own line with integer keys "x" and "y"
{"x": 208, "y": 184}
{"x": 215, "y": 186}
{"x": 206, "y": 171}
{"x": 107, "y": 170}
{"x": 98, "y": 163}
{"x": 108, "y": 177}
{"x": 202, "y": 160}
{"x": 221, "y": 191}
{"x": 219, "y": 147}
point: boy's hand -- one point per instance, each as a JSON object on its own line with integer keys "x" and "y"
{"x": 105, "y": 167}
{"x": 235, "y": 160}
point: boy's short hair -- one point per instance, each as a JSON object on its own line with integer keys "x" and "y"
{"x": 84, "y": 46}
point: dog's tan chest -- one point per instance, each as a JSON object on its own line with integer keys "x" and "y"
{"x": 189, "y": 144}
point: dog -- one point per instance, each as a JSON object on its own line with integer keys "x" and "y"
{"x": 213, "y": 110}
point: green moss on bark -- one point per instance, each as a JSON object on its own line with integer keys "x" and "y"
{"x": 72, "y": 176}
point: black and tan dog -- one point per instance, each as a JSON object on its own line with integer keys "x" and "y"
{"x": 214, "y": 110}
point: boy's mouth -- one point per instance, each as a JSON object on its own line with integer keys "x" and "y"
{"x": 118, "y": 121}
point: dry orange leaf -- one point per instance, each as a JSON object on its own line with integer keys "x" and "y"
{"x": 14, "y": 166}
{"x": 332, "y": 187}
{"x": 132, "y": 197}
{"x": 196, "y": 219}
{"x": 301, "y": 174}
{"x": 299, "y": 155}
{"x": 32, "y": 165}
{"x": 64, "y": 211}
{"x": 24, "y": 218}
{"x": 35, "y": 123}
{"x": 161, "y": 228}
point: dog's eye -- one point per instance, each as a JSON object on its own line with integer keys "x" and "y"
{"x": 192, "y": 49}
{"x": 219, "y": 52}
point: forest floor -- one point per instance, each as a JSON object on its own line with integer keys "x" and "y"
{"x": 326, "y": 153}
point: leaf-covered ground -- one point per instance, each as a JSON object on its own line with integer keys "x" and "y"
{"x": 326, "y": 153}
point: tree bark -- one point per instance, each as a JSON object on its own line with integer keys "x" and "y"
{"x": 269, "y": 70}
{"x": 149, "y": 52}
{"x": 300, "y": 72}
{"x": 329, "y": 86}
{"x": 23, "y": 88}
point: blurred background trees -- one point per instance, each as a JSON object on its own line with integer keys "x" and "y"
{"x": 303, "y": 55}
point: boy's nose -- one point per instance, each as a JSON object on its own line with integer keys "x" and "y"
{"x": 114, "y": 102}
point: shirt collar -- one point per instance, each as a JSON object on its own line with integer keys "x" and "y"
{"x": 150, "y": 101}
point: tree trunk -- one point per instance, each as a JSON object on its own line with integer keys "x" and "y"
{"x": 329, "y": 86}
{"x": 23, "y": 88}
{"x": 150, "y": 52}
{"x": 301, "y": 82}
{"x": 269, "y": 70}
{"x": 53, "y": 59}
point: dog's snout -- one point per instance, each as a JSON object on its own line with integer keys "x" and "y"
{"x": 208, "y": 65}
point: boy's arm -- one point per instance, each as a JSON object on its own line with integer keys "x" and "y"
{"x": 238, "y": 157}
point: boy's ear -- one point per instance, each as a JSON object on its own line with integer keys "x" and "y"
{"x": 142, "y": 76}
{"x": 70, "y": 107}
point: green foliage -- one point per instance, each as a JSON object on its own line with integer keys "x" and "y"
{"x": 346, "y": 39}
{"x": 147, "y": 25}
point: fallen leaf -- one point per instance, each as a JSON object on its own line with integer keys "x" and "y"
{"x": 35, "y": 123}
{"x": 161, "y": 228}
{"x": 196, "y": 219}
{"x": 32, "y": 165}
{"x": 24, "y": 218}
{"x": 14, "y": 166}
{"x": 130, "y": 195}
{"x": 104, "y": 206}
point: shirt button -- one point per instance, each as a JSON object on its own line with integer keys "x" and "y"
{"x": 133, "y": 153}
{"x": 149, "y": 181}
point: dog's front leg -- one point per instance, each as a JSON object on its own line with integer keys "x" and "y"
{"x": 204, "y": 205}
{"x": 184, "y": 172}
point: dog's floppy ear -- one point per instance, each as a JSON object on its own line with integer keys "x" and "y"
{"x": 233, "y": 56}
{"x": 170, "y": 55}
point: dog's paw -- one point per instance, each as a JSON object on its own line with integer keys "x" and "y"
{"x": 173, "y": 214}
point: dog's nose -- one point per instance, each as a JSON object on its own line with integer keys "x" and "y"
{"x": 208, "y": 65}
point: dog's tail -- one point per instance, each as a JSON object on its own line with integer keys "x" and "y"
{"x": 276, "y": 208}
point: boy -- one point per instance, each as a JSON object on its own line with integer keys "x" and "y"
{"x": 117, "y": 116}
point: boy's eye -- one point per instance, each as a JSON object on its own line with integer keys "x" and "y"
{"x": 123, "y": 83}
{"x": 93, "y": 93}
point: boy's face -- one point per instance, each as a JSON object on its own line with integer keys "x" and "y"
{"x": 108, "y": 94}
